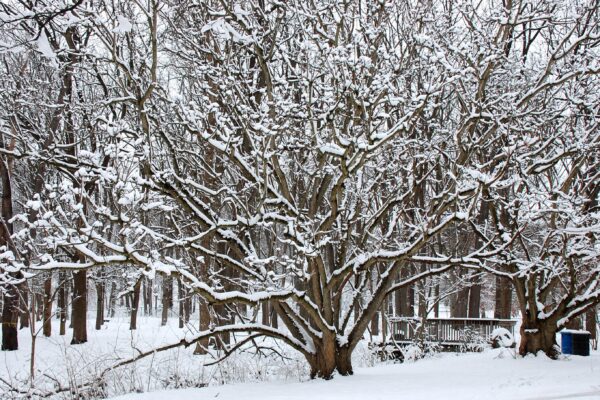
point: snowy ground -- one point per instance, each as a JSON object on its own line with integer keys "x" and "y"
{"x": 493, "y": 374}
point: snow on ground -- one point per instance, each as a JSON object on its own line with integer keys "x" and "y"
{"x": 493, "y": 374}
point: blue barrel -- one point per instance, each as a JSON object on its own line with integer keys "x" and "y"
{"x": 566, "y": 342}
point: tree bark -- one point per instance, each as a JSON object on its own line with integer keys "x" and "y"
{"x": 99, "y": 305}
{"x": 47, "y": 313}
{"x": 330, "y": 357}
{"x": 62, "y": 302}
{"x": 135, "y": 304}
{"x": 112, "y": 299}
{"x": 24, "y": 294}
{"x": 79, "y": 308}
{"x": 204, "y": 317}
{"x": 167, "y": 299}
{"x": 474, "y": 301}
{"x": 10, "y": 316}
{"x": 503, "y": 298}
{"x": 590, "y": 326}
{"x": 538, "y": 335}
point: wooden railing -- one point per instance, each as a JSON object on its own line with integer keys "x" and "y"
{"x": 447, "y": 330}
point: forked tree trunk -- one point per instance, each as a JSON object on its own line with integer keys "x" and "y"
{"x": 47, "y": 312}
{"x": 330, "y": 357}
{"x": 538, "y": 335}
{"x": 79, "y": 311}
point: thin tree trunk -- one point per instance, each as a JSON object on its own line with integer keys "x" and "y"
{"x": 180, "y": 303}
{"x": 47, "y": 318}
{"x": 62, "y": 302}
{"x": 590, "y": 326}
{"x": 24, "y": 305}
{"x": 167, "y": 299}
{"x": 112, "y": 299}
{"x": 204, "y": 316}
{"x": 135, "y": 304}
{"x": 99, "y": 305}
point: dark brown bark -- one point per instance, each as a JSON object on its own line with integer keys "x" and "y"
{"x": 204, "y": 317}
{"x": 135, "y": 304}
{"x": 474, "y": 301}
{"x": 538, "y": 335}
{"x": 79, "y": 307}
{"x": 24, "y": 294}
{"x": 590, "y": 326}
{"x": 10, "y": 306}
{"x": 167, "y": 299}
{"x": 47, "y": 318}
{"x": 459, "y": 303}
{"x": 503, "y": 298}
{"x": 10, "y": 316}
{"x": 266, "y": 312}
{"x": 99, "y": 305}
{"x": 62, "y": 302}
{"x": 330, "y": 357}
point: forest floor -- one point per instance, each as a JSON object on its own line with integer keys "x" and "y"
{"x": 279, "y": 373}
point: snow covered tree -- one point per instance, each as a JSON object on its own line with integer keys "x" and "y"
{"x": 301, "y": 156}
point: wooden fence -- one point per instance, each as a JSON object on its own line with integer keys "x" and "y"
{"x": 447, "y": 331}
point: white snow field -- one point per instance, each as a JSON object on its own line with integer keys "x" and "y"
{"x": 492, "y": 374}
{"x": 466, "y": 376}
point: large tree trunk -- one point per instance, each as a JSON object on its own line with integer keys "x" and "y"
{"x": 79, "y": 308}
{"x": 538, "y": 335}
{"x": 47, "y": 318}
{"x": 135, "y": 304}
{"x": 330, "y": 357}
{"x": 474, "y": 301}
{"x": 503, "y": 301}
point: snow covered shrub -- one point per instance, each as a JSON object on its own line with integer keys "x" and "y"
{"x": 472, "y": 340}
